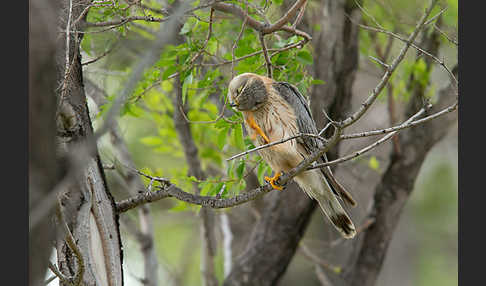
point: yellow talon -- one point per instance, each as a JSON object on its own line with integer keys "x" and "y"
{"x": 273, "y": 179}
{"x": 251, "y": 122}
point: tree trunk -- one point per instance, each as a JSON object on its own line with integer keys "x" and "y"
{"x": 86, "y": 205}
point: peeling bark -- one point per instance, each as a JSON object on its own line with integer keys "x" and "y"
{"x": 87, "y": 205}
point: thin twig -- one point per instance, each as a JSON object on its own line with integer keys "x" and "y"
{"x": 299, "y": 16}
{"x": 59, "y": 275}
{"x": 276, "y": 143}
{"x": 369, "y": 147}
{"x": 233, "y": 48}
{"x": 122, "y": 21}
{"x": 50, "y": 279}
{"x": 317, "y": 260}
{"x": 265, "y": 54}
{"x": 100, "y": 56}
{"x": 401, "y": 126}
{"x": 435, "y": 16}
{"x": 446, "y": 36}
{"x": 415, "y": 46}
{"x": 260, "y": 26}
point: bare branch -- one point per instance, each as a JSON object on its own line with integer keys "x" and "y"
{"x": 376, "y": 91}
{"x": 265, "y": 54}
{"x": 234, "y": 46}
{"x": 142, "y": 198}
{"x": 446, "y": 36}
{"x": 59, "y": 275}
{"x": 369, "y": 147}
{"x": 260, "y": 26}
{"x": 206, "y": 201}
{"x": 50, "y": 279}
{"x": 100, "y": 56}
{"x": 317, "y": 260}
{"x": 285, "y": 18}
{"x": 451, "y": 108}
{"x": 300, "y": 15}
{"x": 276, "y": 143}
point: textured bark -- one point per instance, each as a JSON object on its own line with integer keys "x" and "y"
{"x": 274, "y": 239}
{"x": 336, "y": 62}
{"x": 87, "y": 205}
{"x": 144, "y": 234}
{"x": 283, "y": 222}
{"x": 43, "y": 167}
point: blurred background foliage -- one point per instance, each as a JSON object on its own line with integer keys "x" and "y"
{"x": 146, "y": 121}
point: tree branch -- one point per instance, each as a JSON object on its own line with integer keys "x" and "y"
{"x": 260, "y": 26}
{"x": 402, "y": 126}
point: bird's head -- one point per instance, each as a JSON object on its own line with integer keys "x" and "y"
{"x": 247, "y": 92}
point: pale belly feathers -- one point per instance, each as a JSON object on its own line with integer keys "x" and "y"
{"x": 280, "y": 157}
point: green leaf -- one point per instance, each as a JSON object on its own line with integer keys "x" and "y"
{"x": 169, "y": 71}
{"x": 304, "y": 57}
{"x": 317, "y": 82}
{"x": 216, "y": 188}
{"x": 229, "y": 170}
{"x": 238, "y": 136}
{"x": 192, "y": 179}
{"x": 249, "y": 143}
{"x": 262, "y": 167}
{"x": 204, "y": 187}
{"x": 222, "y": 124}
{"x": 225, "y": 191}
{"x": 240, "y": 169}
{"x": 185, "y": 85}
{"x": 187, "y": 27}
{"x": 221, "y": 140}
{"x": 152, "y": 140}
{"x": 373, "y": 163}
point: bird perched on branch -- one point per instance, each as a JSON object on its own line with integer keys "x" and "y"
{"x": 274, "y": 111}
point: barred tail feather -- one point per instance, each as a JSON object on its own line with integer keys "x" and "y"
{"x": 338, "y": 217}
{"x": 315, "y": 185}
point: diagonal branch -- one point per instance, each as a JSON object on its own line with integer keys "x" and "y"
{"x": 404, "y": 125}
{"x": 261, "y": 26}
{"x": 371, "y": 146}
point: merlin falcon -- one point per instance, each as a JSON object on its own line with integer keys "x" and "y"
{"x": 276, "y": 110}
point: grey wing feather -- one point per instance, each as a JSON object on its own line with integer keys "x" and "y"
{"x": 306, "y": 124}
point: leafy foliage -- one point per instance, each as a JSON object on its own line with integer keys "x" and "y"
{"x": 204, "y": 90}
{"x": 216, "y": 128}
